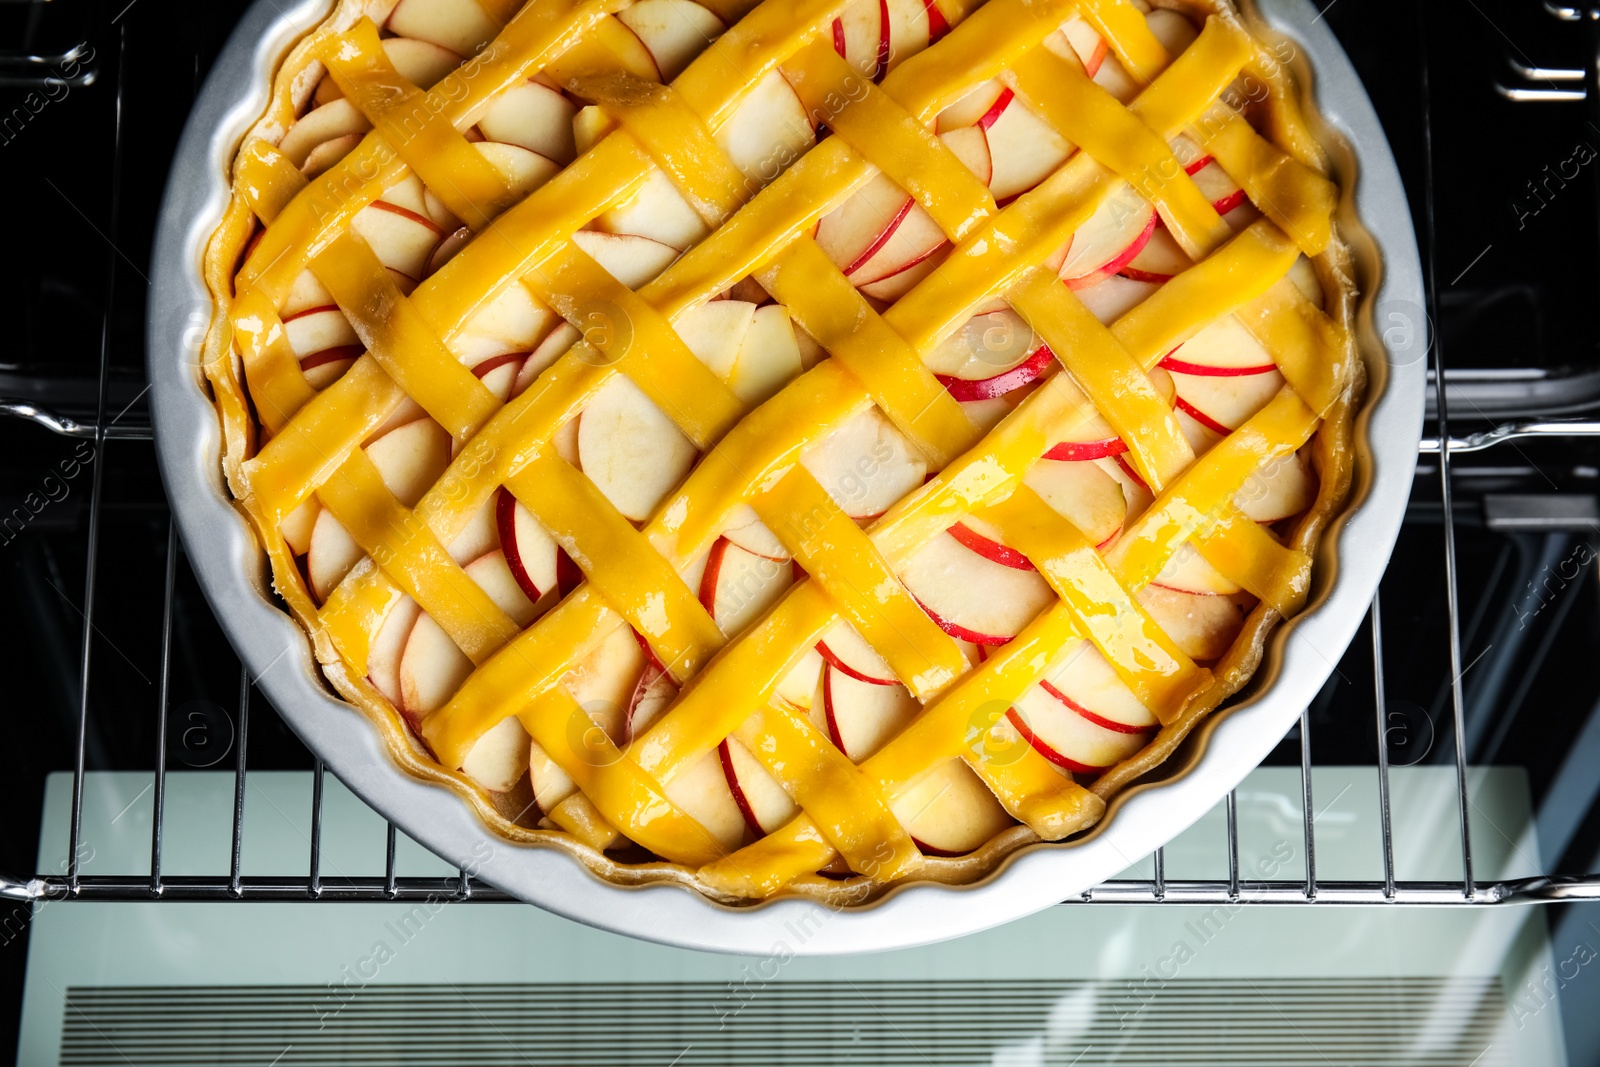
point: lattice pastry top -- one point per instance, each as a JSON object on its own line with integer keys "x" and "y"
{"x": 804, "y": 446}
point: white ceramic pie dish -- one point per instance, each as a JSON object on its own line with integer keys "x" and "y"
{"x": 231, "y": 568}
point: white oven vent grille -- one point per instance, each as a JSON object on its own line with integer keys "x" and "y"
{"x": 1234, "y": 1022}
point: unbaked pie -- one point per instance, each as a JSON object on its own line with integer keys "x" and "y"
{"x": 799, "y": 447}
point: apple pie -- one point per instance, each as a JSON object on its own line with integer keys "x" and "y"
{"x": 798, "y": 447}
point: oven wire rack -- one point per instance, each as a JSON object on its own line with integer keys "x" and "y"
{"x": 108, "y": 426}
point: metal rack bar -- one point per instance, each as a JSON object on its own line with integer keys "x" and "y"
{"x": 97, "y": 490}
{"x": 1381, "y": 724}
{"x": 163, "y": 699}
{"x": 316, "y": 831}
{"x": 390, "y": 883}
{"x": 1307, "y": 810}
{"x": 1441, "y": 416}
{"x": 241, "y": 742}
{"x": 1233, "y": 844}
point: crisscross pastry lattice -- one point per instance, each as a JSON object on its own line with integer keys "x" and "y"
{"x": 808, "y": 445}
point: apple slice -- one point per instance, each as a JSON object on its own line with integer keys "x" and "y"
{"x": 1203, "y": 627}
{"x": 530, "y": 552}
{"x": 949, "y": 811}
{"x": 325, "y": 343}
{"x": 861, "y": 35}
{"x": 866, "y": 464}
{"x": 499, "y": 758}
{"x": 498, "y": 373}
{"x": 383, "y": 661}
{"x": 480, "y": 534}
{"x": 401, "y": 239}
{"x": 1118, "y": 231}
{"x": 536, "y": 117}
{"x": 1278, "y": 489}
{"x": 888, "y": 290}
{"x": 1068, "y": 734}
{"x": 1224, "y": 402}
{"x": 911, "y": 27}
{"x": 630, "y": 259}
{"x": 1188, "y": 572}
{"x": 985, "y": 545}
{"x": 863, "y": 716}
{"x": 1304, "y": 277}
{"x": 715, "y": 331}
{"x": 762, "y": 801}
{"x": 971, "y": 145}
{"x": 604, "y": 681}
{"x": 653, "y": 694}
{"x": 973, "y": 598}
{"x": 551, "y": 784}
{"x": 1024, "y": 150}
{"x": 459, "y": 25}
{"x": 1158, "y": 260}
{"x": 523, "y": 171}
{"x": 446, "y": 250}
{"x": 1089, "y": 46}
{"x": 1223, "y": 348}
{"x": 738, "y": 586}
{"x": 333, "y": 121}
{"x": 977, "y": 103}
{"x": 853, "y": 232}
{"x": 330, "y": 554}
{"x": 747, "y": 531}
{"x": 801, "y": 687}
{"x": 701, "y": 790}
{"x": 411, "y": 458}
{"x": 630, "y": 449}
{"x": 769, "y": 356}
{"x": 493, "y": 574}
{"x": 297, "y": 525}
{"x": 769, "y": 130}
{"x": 674, "y": 31}
{"x": 997, "y": 385}
{"x": 1084, "y": 675}
{"x": 657, "y": 211}
{"x": 847, "y": 652}
{"x": 422, "y": 63}
{"x": 1110, "y": 299}
{"x": 546, "y": 352}
{"x": 432, "y": 668}
{"x": 1083, "y": 494}
{"x": 1223, "y": 192}
{"x": 911, "y": 239}
{"x": 305, "y": 292}
{"x": 589, "y": 125}
{"x": 1175, "y": 32}
{"x": 989, "y": 343}
{"x": 1114, "y": 78}
{"x": 1136, "y": 494}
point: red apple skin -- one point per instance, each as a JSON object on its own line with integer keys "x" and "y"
{"x": 1130, "y": 471}
{"x": 990, "y": 549}
{"x": 844, "y": 668}
{"x": 938, "y": 25}
{"x": 494, "y": 363}
{"x": 1001, "y": 102}
{"x": 1072, "y": 451}
{"x": 1201, "y": 370}
{"x": 1118, "y": 262}
{"x": 330, "y": 355}
{"x": 726, "y": 759}
{"x": 961, "y": 633}
{"x": 1046, "y": 751}
{"x": 505, "y": 522}
{"x": 928, "y": 850}
{"x": 1201, "y": 417}
{"x": 882, "y": 239}
{"x": 1098, "y": 720}
{"x": 997, "y": 385}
